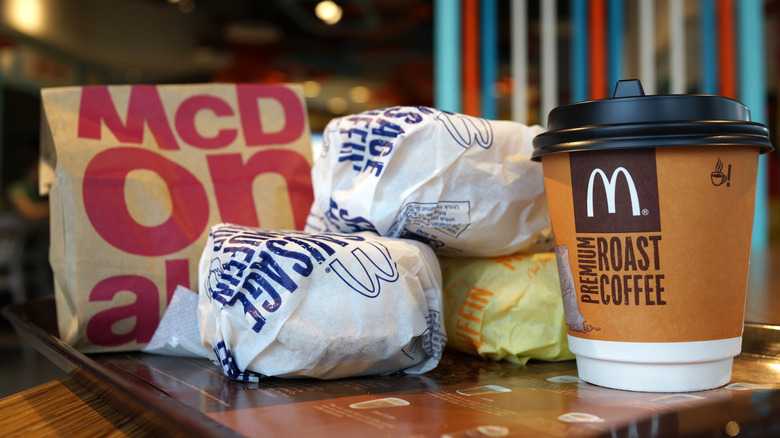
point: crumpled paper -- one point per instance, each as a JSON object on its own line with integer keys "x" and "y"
{"x": 295, "y": 304}
{"x": 178, "y": 333}
{"x": 464, "y": 185}
{"x": 505, "y": 308}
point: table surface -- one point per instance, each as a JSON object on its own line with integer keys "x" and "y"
{"x": 136, "y": 394}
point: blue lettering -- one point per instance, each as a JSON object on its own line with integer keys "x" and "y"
{"x": 359, "y": 132}
{"x": 387, "y": 129}
{"x": 410, "y": 116}
{"x": 249, "y": 309}
{"x": 256, "y": 278}
{"x": 306, "y": 245}
{"x": 379, "y": 147}
{"x": 377, "y": 167}
{"x": 251, "y": 274}
{"x": 346, "y": 153}
{"x": 341, "y": 216}
{"x": 219, "y": 236}
{"x": 366, "y": 120}
{"x": 227, "y": 281}
{"x": 248, "y": 251}
{"x": 304, "y": 268}
{"x": 268, "y": 266}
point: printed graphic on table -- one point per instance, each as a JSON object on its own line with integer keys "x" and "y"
{"x": 464, "y": 396}
{"x": 653, "y": 244}
{"x": 530, "y": 405}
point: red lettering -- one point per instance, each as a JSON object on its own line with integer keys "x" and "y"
{"x": 233, "y": 184}
{"x": 144, "y": 106}
{"x": 294, "y": 123}
{"x": 185, "y": 122}
{"x": 104, "y": 202}
{"x": 145, "y": 309}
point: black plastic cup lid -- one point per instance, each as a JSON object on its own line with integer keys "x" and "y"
{"x": 630, "y": 119}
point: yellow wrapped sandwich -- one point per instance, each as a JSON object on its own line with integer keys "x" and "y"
{"x": 505, "y": 308}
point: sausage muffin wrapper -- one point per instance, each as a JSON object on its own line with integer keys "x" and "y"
{"x": 462, "y": 184}
{"x": 323, "y": 305}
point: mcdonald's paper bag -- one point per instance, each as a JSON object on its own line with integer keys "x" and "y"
{"x": 139, "y": 175}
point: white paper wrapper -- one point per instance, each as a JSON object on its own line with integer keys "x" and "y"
{"x": 464, "y": 185}
{"x": 296, "y": 304}
{"x": 178, "y": 333}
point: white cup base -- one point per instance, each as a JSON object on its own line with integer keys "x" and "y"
{"x": 656, "y": 367}
{"x": 655, "y": 377}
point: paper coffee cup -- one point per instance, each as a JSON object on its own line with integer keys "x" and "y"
{"x": 651, "y": 200}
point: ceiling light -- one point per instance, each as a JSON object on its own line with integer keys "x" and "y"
{"x": 337, "y": 105}
{"x": 25, "y": 15}
{"x": 311, "y": 89}
{"x": 186, "y": 6}
{"x": 327, "y": 11}
{"x": 359, "y": 94}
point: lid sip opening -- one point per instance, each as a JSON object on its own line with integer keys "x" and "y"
{"x": 628, "y": 88}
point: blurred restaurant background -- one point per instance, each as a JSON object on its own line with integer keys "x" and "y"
{"x": 498, "y": 59}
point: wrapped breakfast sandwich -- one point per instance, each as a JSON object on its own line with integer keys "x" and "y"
{"x": 464, "y": 185}
{"x": 505, "y": 308}
{"x": 323, "y": 305}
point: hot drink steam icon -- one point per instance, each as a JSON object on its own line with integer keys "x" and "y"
{"x": 718, "y": 177}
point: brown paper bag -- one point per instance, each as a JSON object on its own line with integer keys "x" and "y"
{"x": 139, "y": 175}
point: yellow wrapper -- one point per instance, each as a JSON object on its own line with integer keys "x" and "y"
{"x": 506, "y": 308}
